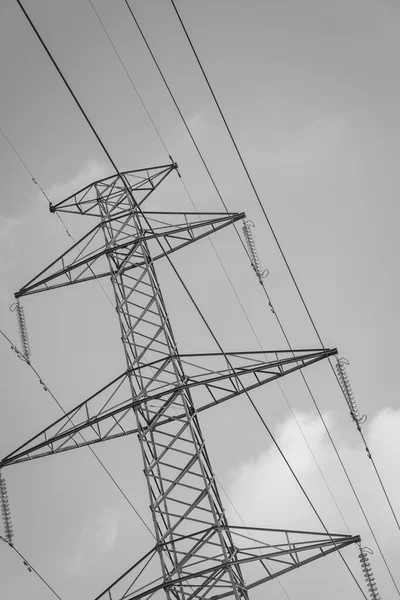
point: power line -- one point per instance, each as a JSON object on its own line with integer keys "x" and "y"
{"x": 239, "y": 154}
{"x": 193, "y": 204}
{"x": 210, "y": 240}
{"x": 269, "y": 301}
{"x": 337, "y": 453}
{"x": 260, "y": 417}
{"x": 265, "y": 291}
{"x": 278, "y": 384}
{"x": 46, "y": 387}
{"x": 244, "y": 524}
{"x": 30, "y": 568}
{"x": 379, "y": 477}
{"x": 167, "y": 256}
{"x": 200, "y": 154}
{"x": 130, "y": 78}
{"x": 21, "y": 356}
{"x": 214, "y": 249}
{"x": 36, "y": 182}
{"x": 243, "y": 164}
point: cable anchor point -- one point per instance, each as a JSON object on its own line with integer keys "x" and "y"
{"x": 175, "y": 166}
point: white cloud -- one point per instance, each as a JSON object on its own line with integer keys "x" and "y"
{"x": 265, "y": 493}
{"x": 97, "y": 539}
{"x": 265, "y": 490}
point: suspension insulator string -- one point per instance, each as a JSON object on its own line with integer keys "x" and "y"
{"x": 252, "y": 250}
{"x": 5, "y": 511}
{"x": 348, "y": 392}
{"x": 368, "y": 575}
{"x": 23, "y": 330}
{"x": 359, "y": 420}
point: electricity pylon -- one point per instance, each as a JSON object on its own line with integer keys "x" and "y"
{"x": 159, "y": 396}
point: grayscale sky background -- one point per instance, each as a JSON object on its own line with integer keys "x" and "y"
{"x": 311, "y": 90}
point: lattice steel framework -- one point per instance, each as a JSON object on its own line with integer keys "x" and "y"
{"x": 159, "y": 395}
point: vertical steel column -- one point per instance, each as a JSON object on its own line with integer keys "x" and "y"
{"x": 174, "y": 454}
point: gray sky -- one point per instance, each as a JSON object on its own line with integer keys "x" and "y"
{"x": 311, "y": 90}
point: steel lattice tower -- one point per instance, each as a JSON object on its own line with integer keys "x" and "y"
{"x": 159, "y": 396}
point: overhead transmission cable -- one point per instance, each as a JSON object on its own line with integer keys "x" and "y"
{"x": 36, "y": 182}
{"x": 162, "y": 141}
{"x": 75, "y": 98}
{"x": 272, "y": 230}
{"x": 252, "y": 254}
{"x": 249, "y": 533}
{"x": 268, "y": 297}
{"x": 130, "y": 79}
{"x": 31, "y": 569}
{"x": 23, "y": 355}
{"x": 269, "y": 300}
{"x": 337, "y": 452}
{"x": 47, "y": 389}
{"x": 260, "y": 417}
{"x": 174, "y": 268}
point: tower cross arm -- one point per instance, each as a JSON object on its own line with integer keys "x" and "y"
{"x": 108, "y": 413}
{"x": 118, "y": 190}
{"x": 86, "y": 259}
{"x": 261, "y": 555}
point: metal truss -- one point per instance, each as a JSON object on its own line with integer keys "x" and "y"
{"x": 87, "y": 258}
{"x": 161, "y": 392}
{"x": 108, "y": 414}
{"x": 118, "y": 191}
{"x": 262, "y": 555}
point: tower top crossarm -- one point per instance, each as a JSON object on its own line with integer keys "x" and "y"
{"x": 119, "y": 190}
